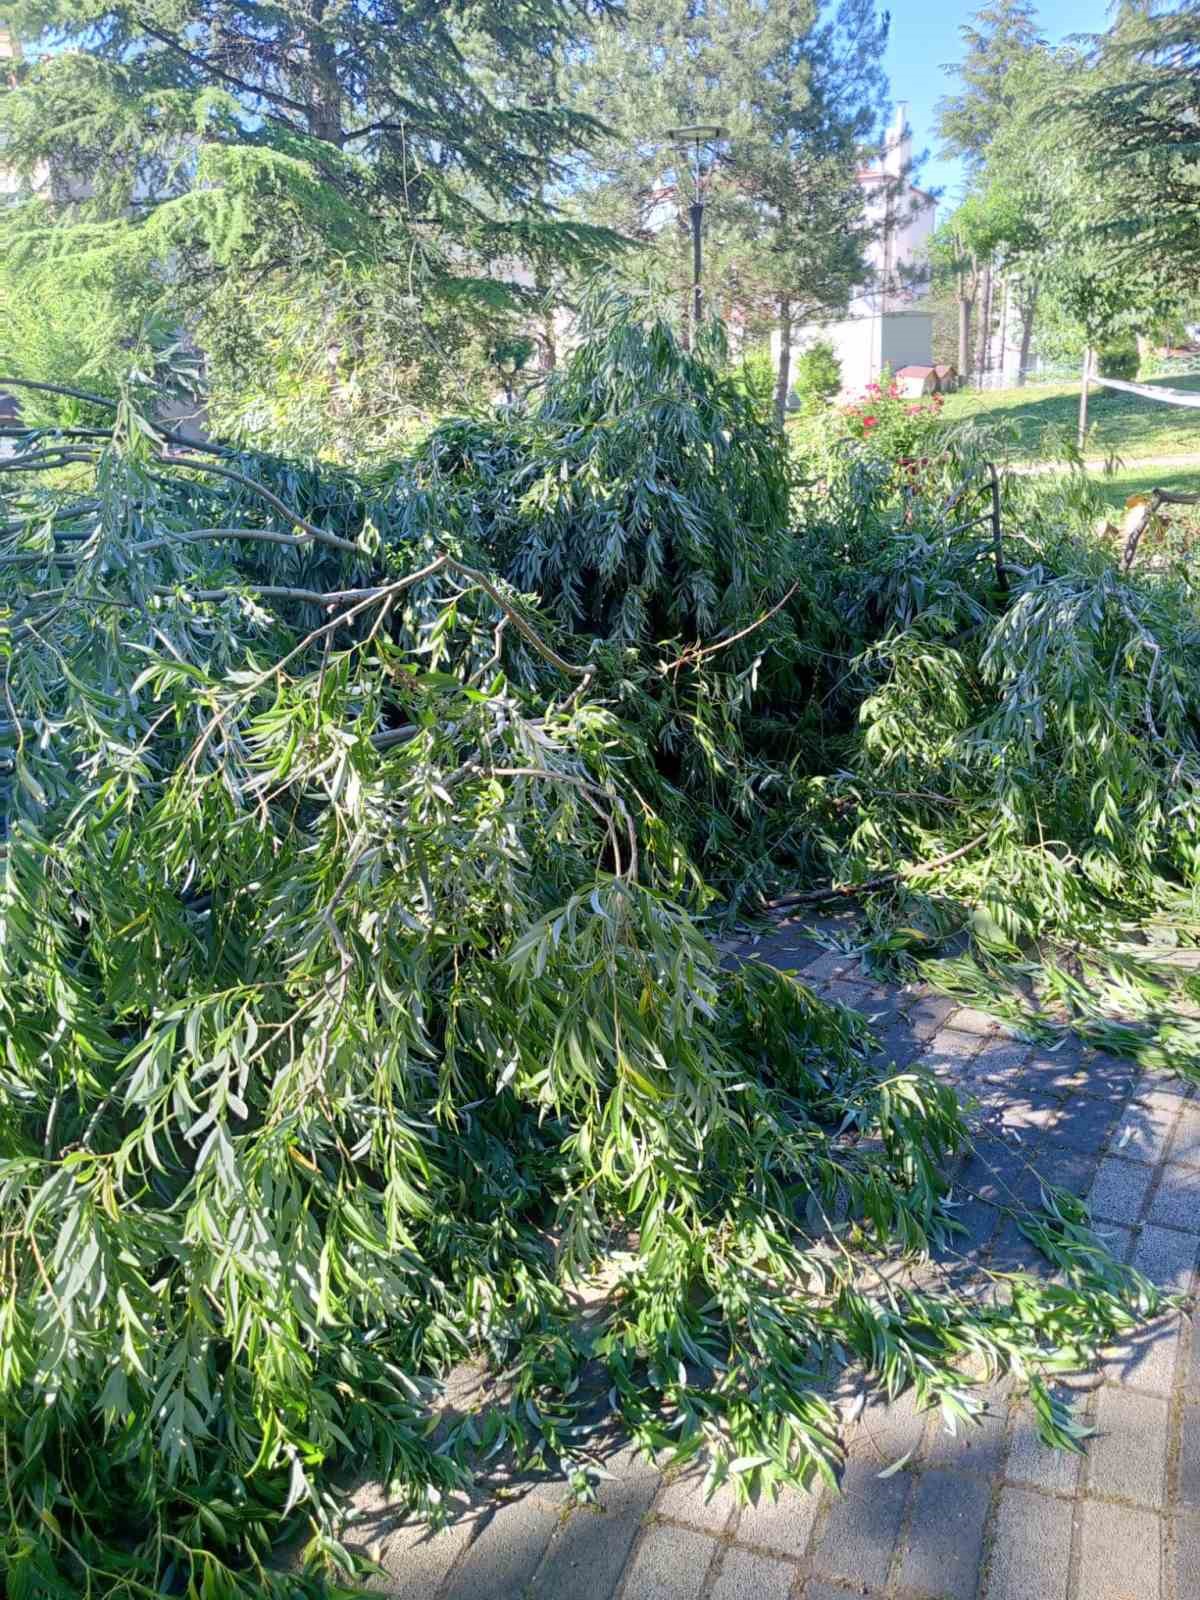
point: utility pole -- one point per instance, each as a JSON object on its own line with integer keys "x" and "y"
{"x": 696, "y": 135}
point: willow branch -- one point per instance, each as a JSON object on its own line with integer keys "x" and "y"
{"x": 277, "y": 591}
{"x": 692, "y": 655}
{"x": 587, "y": 788}
{"x": 46, "y": 460}
{"x": 268, "y": 495}
{"x": 109, "y": 405}
{"x": 59, "y": 388}
{"x": 524, "y": 628}
{"x": 914, "y": 869}
{"x": 264, "y": 535}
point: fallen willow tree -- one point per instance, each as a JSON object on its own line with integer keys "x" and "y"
{"x": 353, "y": 1000}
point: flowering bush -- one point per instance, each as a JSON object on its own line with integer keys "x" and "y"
{"x": 891, "y": 427}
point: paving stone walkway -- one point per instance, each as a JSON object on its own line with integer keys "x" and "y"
{"x": 988, "y": 1514}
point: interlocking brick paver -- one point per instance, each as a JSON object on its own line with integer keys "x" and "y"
{"x": 682, "y": 1499}
{"x": 978, "y": 1220}
{"x": 1128, "y": 1457}
{"x": 1000, "y": 1063}
{"x": 1176, "y": 1201}
{"x": 1024, "y": 1117}
{"x": 928, "y": 1013}
{"x": 968, "y": 1020}
{"x": 669, "y": 1564}
{"x": 885, "y": 1430}
{"x": 1085, "y": 1123}
{"x": 1013, "y": 1251}
{"x": 506, "y": 1550}
{"x": 1118, "y": 1241}
{"x": 783, "y": 1524}
{"x": 1189, "y": 1457}
{"x": 1166, "y": 1257}
{"x": 796, "y": 955}
{"x": 1058, "y": 1167}
{"x": 1185, "y": 1539}
{"x": 977, "y": 1446}
{"x": 1032, "y": 1462}
{"x": 843, "y": 992}
{"x": 1110, "y": 1077}
{"x": 1120, "y": 1553}
{"x": 996, "y": 1169}
{"x": 946, "y": 1541}
{"x": 587, "y": 1555}
{"x": 828, "y": 966}
{"x": 745, "y": 1576}
{"x": 1185, "y": 1145}
{"x": 1146, "y": 1125}
{"x": 1062, "y": 1070}
{"x": 1031, "y": 1548}
{"x": 1146, "y": 1360}
{"x": 1120, "y": 1189}
{"x": 898, "y": 1043}
{"x": 416, "y": 1560}
{"x": 950, "y": 1053}
{"x": 862, "y": 1528}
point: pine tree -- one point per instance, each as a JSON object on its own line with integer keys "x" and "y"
{"x": 242, "y": 137}
{"x": 1142, "y": 126}
{"x": 798, "y": 90}
{"x": 997, "y": 39}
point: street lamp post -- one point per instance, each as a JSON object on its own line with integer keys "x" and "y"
{"x": 697, "y": 134}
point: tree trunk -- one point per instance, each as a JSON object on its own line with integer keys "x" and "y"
{"x": 323, "y": 91}
{"x": 985, "y": 324}
{"x": 549, "y": 343}
{"x": 1027, "y": 308}
{"x": 1083, "y": 394}
{"x": 783, "y": 375}
{"x": 965, "y": 304}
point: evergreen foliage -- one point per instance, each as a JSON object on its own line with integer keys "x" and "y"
{"x": 352, "y": 992}
{"x": 818, "y": 374}
{"x": 1141, "y": 124}
{"x": 318, "y": 179}
{"x": 999, "y": 39}
{"x": 798, "y": 88}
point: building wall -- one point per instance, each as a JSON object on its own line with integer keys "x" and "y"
{"x": 886, "y": 322}
{"x": 906, "y": 340}
{"x": 866, "y": 345}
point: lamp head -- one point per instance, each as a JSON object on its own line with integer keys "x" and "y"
{"x": 696, "y": 131}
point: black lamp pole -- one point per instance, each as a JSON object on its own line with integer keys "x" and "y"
{"x": 696, "y": 135}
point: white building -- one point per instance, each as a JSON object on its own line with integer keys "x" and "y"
{"x": 885, "y": 324}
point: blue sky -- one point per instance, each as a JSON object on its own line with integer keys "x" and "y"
{"x": 925, "y": 35}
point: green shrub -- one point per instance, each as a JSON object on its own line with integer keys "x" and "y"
{"x": 754, "y": 377}
{"x": 817, "y": 375}
{"x": 1119, "y": 359}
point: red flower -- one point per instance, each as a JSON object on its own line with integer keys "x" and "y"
{"x": 872, "y": 388}
{"x": 869, "y": 422}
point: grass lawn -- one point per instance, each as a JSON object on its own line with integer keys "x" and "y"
{"x": 1132, "y": 480}
{"x": 1122, "y": 424}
